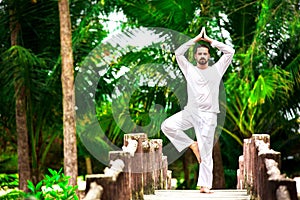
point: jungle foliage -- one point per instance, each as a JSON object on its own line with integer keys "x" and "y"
{"x": 262, "y": 84}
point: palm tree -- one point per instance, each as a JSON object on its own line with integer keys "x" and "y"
{"x": 67, "y": 78}
{"x": 261, "y": 86}
{"x": 33, "y": 85}
{"x": 21, "y": 116}
{"x": 39, "y": 69}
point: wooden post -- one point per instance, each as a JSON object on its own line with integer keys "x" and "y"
{"x": 95, "y": 192}
{"x": 241, "y": 174}
{"x": 264, "y": 137}
{"x": 137, "y": 165}
{"x": 256, "y": 140}
{"x": 252, "y": 159}
{"x": 124, "y": 184}
{"x": 247, "y": 160}
{"x": 263, "y": 178}
{"x": 115, "y": 186}
{"x": 157, "y": 144}
{"x": 148, "y": 161}
{"x": 274, "y": 185}
{"x": 169, "y": 180}
{"x": 111, "y": 189}
{"x": 279, "y": 187}
{"x": 164, "y": 173}
{"x": 262, "y": 171}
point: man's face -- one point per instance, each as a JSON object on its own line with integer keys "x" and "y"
{"x": 202, "y": 55}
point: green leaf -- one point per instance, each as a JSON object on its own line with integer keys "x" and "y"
{"x": 31, "y": 186}
{"x": 39, "y": 185}
{"x": 39, "y": 195}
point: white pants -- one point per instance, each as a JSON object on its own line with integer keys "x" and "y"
{"x": 204, "y": 124}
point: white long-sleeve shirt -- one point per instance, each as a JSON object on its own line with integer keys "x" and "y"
{"x": 203, "y": 84}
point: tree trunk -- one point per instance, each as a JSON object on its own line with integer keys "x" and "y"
{"x": 23, "y": 146}
{"x": 21, "y": 117}
{"x": 88, "y": 164}
{"x": 67, "y": 78}
{"x": 218, "y": 171}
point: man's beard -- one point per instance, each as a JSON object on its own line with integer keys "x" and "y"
{"x": 202, "y": 61}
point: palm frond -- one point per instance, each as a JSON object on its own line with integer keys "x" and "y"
{"x": 268, "y": 83}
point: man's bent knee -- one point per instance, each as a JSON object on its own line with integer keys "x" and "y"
{"x": 166, "y": 127}
{"x": 163, "y": 127}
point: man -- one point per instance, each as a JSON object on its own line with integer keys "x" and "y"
{"x": 203, "y": 104}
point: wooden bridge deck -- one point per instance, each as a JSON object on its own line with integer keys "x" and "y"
{"x": 195, "y": 194}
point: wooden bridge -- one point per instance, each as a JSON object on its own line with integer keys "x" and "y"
{"x": 195, "y": 194}
{"x": 140, "y": 172}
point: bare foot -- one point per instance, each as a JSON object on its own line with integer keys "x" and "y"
{"x": 195, "y": 149}
{"x": 205, "y": 190}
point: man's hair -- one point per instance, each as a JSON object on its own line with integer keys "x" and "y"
{"x": 201, "y": 45}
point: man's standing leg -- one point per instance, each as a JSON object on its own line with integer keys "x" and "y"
{"x": 205, "y": 131}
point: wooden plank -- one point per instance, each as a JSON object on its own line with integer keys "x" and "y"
{"x": 195, "y": 194}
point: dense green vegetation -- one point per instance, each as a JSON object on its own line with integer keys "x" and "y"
{"x": 262, "y": 85}
{"x": 53, "y": 186}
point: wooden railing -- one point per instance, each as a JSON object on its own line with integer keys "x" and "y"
{"x": 259, "y": 171}
{"x": 139, "y": 169}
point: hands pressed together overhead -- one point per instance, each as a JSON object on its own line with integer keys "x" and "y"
{"x": 202, "y": 36}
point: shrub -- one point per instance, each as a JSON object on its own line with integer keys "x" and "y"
{"x": 53, "y": 187}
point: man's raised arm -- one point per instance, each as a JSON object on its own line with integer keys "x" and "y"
{"x": 227, "y": 51}
{"x": 225, "y": 60}
{"x": 180, "y": 58}
{"x": 180, "y": 51}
